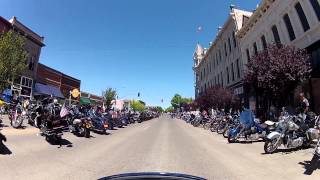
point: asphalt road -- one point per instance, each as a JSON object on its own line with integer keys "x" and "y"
{"x": 159, "y": 145}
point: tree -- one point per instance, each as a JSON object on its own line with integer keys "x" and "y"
{"x": 109, "y": 95}
{"x": 13, "y": 57}
{"x": 217, "y": 97}
{"x": 137, "y": 105}
{"x": 176, "y": 101}
{"x": 277, "y": 71}
{"x": 170, "y": 109}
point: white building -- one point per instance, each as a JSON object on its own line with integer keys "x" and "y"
{"x": 290, "y": 22}
{"x": 221, "y": 64}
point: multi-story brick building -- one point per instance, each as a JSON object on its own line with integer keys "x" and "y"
{"x": 33, "y": 45}
{"x": 54, "y": 79}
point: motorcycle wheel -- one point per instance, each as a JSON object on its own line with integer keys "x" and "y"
{"x": 87, "y": 133}
{"x": 231, "y": 139}
{"x": 270, "y": 146}
{"x": 226, "y": 133}
{"x": 17, "y": 122}
{"x": 220, "y": 129}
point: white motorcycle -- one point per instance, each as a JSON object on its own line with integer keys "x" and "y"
{"x": 291, "y": 135}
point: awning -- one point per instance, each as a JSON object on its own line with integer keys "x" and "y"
{"x": 84, "y": 100}
{"x": 42, "y": 89}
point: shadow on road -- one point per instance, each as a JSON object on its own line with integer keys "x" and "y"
{"x": 62, "y": 142}
{"x": 311, "y": 166}
{"x": 4, "y": 150}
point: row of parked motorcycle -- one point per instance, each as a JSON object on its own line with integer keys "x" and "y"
{"x": 53, "y": 119}
{"x": 290, "y": 131}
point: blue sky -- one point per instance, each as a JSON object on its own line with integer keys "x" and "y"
{"x": 135, "y": 46}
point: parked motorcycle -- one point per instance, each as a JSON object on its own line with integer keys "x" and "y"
{"x": 249, "y": 127}
{"x": 292, "y": 132}
{"x": 50, "y": 120}
{"x": 99, "y": 122}
{"x": 78, "y": 123}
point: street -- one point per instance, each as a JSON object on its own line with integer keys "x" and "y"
{"x": 159, "y": 145}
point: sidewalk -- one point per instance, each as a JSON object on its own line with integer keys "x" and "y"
{"x": 7, "y": 129}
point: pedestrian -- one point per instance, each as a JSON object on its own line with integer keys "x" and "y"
{"x": 303, "y": 106}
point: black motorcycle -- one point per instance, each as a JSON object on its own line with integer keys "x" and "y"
{"x": 78, "y": 123}
{"x": 51, "y": 125}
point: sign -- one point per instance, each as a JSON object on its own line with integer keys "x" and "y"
{"x": 75, "y": 93}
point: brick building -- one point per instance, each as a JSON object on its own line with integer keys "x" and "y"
{"x": 52, "y": 79}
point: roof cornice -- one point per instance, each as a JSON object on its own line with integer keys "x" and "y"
{"x": 253, "y": 19}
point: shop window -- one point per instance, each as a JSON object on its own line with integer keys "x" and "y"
{"x": 302, "y": 17}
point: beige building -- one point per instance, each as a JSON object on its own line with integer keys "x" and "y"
{"x": 290, "y": 22}
{"x": 221, "y": 64}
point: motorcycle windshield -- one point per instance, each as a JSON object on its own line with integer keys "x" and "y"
{"x": 247, "y": 118}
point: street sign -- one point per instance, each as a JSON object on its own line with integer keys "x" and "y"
{"x": 75, "y": 93}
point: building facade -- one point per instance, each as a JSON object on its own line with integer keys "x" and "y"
{"x": 89, "y": 98}
{"x": 289, "y": 22}
{"x": 52, "y": 78}
{"x": 221, "y": 64}
{"x": 24, "y": 85}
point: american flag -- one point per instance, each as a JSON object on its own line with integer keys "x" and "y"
{"x": 64, "y": 111}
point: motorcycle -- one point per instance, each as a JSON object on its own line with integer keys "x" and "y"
{"x": 99, "y": 122}
{"x": 16, "y": 114}
{"x": 78, "y": 123}
{"x": 292, "y": 132}
{"x": 250, "y": 127}
{"x": 50, "y": 120}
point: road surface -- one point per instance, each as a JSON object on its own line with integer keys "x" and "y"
{"x": 159, "y": 145}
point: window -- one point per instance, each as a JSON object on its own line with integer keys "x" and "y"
{"x": 234, "y": 39}
{"x": 255, "y": 48}
{"x": 218, "y": 79}
{"x": 264, "y": 42}
{"x": 225, "y": 49}
{"x": 316, "y": 7}
{"x": 228, "y": 77}
{"x": 220, "y": 55}
{"x": 31, "y": 63}
{"x": 276, "y": 34}
{"x": 302, "y": 17}
{"x": 232, "y": 71}
{"x": 229, "y": 42}
{"x": 248, "y": 55}
{"x": 287, "y": 21}
{"x": 221, "y": 78}
{"x": 238, "y": 68}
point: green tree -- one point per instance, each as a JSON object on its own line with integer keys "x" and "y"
{"x": 137, "y": 105}
{"x": 176, "y": 101}
{"x": 170, "y": 109}
{"x": 109, "y": 95}
{"x": 13, "y": 57}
